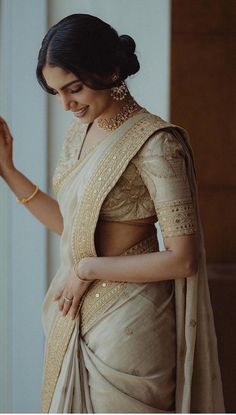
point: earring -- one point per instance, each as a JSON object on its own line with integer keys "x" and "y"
{"x": 114, "y": 77}
{"x": 119, "y": 92}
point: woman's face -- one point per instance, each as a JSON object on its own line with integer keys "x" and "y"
{"x": 87, "y": 104}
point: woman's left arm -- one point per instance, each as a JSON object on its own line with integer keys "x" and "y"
{"x": 180, "y": 260}
{"x": 162, "y": 164}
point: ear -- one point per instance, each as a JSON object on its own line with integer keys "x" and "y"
{"x": 115, "y": 75}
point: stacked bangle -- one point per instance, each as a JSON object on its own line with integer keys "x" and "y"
{"x": 25, "y": 200}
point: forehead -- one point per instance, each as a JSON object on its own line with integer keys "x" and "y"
{"x": 57, "y": 77}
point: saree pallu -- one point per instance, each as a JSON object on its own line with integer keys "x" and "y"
{"x": 134, "y": 348}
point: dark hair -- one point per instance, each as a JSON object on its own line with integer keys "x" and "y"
{"x": 89, "y": 48}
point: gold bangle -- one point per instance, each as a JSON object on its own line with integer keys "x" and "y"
{"x": 25, "y": 200}
{"x": 78, "y": 276}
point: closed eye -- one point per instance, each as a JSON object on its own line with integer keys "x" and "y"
{"x": 71, "y": 91}
{"x": 74, "y": 91}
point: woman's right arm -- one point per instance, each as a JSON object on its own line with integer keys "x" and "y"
{"x": 42, "y": 206}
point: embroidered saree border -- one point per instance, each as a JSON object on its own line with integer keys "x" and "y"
{"x": 107, "y": 173}
{"x": 56, "y": 348}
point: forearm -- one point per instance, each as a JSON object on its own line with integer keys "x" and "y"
{"x": 156, "y": 266}
{"x": 42, "y": 206}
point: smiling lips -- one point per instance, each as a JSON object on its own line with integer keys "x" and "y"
{"x": 80, "y": 113}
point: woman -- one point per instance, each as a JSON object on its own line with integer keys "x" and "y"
{"x": 128, "y": 328}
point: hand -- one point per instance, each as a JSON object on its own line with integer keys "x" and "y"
{"x": 6, "y": 148}
{"x": 73, "y": 290}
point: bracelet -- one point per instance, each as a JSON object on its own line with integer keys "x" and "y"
{"x": 25, "y": 200}
{"x": 78, "y": 276}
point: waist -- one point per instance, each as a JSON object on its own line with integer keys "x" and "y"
{"x": 146, "y": 245}
{"x": 113, "y": 238}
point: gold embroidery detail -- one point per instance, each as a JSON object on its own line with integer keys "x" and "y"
{"x": 94, "y": 305}
{"x": 68, "y": 159}
{"x": 131, "y": 189}
{"x": 135, "y": 372}
{"x": 61, "y": 178}
{"x": 193, "y": 323}
{"x": 128, "y": 331}
{"x": 176, "y": 218}
{"x": 56, "y": 348}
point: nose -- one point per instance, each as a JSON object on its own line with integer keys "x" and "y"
{"x": 67, "y": 103}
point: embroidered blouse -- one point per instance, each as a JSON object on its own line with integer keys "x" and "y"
{"x": 155, "y": 186}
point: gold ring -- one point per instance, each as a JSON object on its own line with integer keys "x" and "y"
{"x": 69, "y": 300}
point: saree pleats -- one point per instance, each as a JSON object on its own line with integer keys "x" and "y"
{"x": 131, "y": 364}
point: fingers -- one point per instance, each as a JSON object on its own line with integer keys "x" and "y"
{"x": 58, "y": 294}
{"x": 61, "y": 303}
{"x": 5, "y": 131}
{"x": 66, "y": 305}
{"x": 8, "y": 136}
{"x": 74, "y": 307}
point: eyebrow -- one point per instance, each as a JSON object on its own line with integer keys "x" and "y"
{"x": 69, "y": 83}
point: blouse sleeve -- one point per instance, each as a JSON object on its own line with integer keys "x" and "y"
{"x": 161, "y": 164}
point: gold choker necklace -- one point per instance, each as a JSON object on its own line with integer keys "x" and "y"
{"x": 126, "y": 112}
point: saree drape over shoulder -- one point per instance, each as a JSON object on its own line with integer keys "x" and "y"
{"x": 133, "y": 348}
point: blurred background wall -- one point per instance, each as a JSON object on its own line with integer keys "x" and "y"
{"x": 23, "y": 241}
{"x": 28, "y": 254}
{"x": 188, "y": 75}
{"x": 203, "y": 100}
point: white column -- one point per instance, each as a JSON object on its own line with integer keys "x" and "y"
{"x": 5, "y": 223}
{"x": 24, "y": 240}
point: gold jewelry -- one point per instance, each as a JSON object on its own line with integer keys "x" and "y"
{"x": 114, "y": 77}
{"x": 78, "y": 276}
{"x": 119, "y": 92}
{"x": 25, "y": 200}
{"x": 126, "y": 112}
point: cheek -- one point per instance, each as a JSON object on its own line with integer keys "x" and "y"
{"x": 93, "y": 98}
{"x": 98, "y": 98}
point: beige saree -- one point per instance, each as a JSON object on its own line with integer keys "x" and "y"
{"x": 134, "y": 348}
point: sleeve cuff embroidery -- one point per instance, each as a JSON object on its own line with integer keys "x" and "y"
{"x": 176, "y": 218}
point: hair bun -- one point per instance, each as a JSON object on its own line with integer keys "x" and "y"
{"x": 127, "y": 44}
{"x": 128, "y": 61}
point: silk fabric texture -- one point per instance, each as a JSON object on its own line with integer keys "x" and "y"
{"x": 133, "y": 348}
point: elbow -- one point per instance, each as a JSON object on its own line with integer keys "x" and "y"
{"x": 190, "y": 267}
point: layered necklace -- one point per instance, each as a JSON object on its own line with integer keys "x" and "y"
{"x": 126, "y": 112}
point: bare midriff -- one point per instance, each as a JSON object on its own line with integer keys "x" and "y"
{"x": 112, "y": 238}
